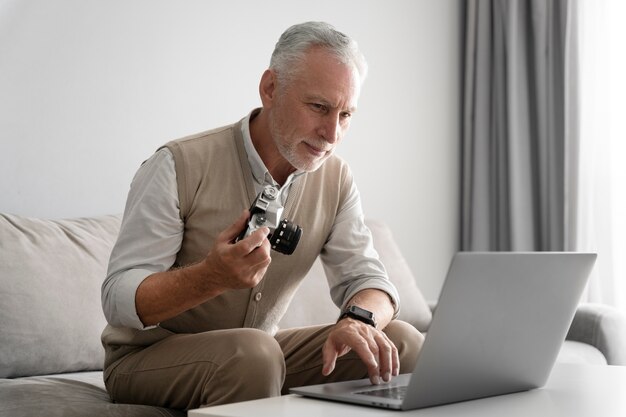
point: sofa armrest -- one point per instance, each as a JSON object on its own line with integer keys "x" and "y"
{"x": 603, "y": 327}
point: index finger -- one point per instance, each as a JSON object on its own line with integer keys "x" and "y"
{"x": 369, "y": 355}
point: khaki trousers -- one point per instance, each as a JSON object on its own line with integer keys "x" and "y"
{"x": 188, "y": 371}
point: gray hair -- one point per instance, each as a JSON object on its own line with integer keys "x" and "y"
{"x": 294, "y": 43}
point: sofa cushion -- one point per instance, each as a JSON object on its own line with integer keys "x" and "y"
{"x": 414, "y": 308}
{"x": 578, "y": 352}
{"x": 50, "y": 276}
{"x": 68, "y": 395}
{"x": 312, "y": 303}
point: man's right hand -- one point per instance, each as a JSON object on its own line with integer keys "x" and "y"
{"x": 227, "y": 266}
{"x": 238, "y": 265}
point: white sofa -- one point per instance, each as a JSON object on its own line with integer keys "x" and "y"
{"x": 51, "y": 318}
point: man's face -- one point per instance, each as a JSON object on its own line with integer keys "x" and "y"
{"x": 311, "y": 114}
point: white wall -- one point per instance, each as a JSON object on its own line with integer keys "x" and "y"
{"x": 89, "y": 89}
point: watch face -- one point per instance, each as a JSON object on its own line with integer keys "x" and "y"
{"x": 360, "y": 314}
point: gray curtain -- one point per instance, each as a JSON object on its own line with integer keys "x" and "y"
{"x": 516, "y": 143}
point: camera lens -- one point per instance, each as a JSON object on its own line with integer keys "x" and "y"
{"x": 286, "y": 237}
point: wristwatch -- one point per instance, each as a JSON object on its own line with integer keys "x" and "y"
{"x": 358, "y": 313}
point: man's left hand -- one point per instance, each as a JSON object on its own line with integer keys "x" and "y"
{"x": 377, "y": 352}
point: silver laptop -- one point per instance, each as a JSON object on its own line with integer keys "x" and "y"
{"x": 498, "y": 327}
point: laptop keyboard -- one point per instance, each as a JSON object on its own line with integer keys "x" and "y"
{"x": 396, "y": 393}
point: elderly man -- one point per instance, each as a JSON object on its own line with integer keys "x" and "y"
{"x": 193, "y": 305}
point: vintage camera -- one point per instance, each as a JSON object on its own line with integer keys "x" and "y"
{"x": 267, "y": 211}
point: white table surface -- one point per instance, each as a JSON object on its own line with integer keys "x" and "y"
{"x": 572, "y": 390}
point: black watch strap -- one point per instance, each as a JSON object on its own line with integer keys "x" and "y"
{"x": 358, "y": 313}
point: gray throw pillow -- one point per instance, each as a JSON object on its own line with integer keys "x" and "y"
{"x": 50, "y": 277}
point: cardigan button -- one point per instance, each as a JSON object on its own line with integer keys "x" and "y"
{"x": 258, "y": 296}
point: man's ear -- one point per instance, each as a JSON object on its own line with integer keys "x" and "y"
{"x": 267, "y": 88}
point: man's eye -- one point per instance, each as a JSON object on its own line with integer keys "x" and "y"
{"x": 346, "y": 115}
{"x": 318, "y": 107}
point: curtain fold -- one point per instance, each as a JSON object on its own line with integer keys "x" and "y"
{"x": 516, "y": 107}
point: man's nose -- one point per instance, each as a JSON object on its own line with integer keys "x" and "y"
{"x": 330, "y": 129}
